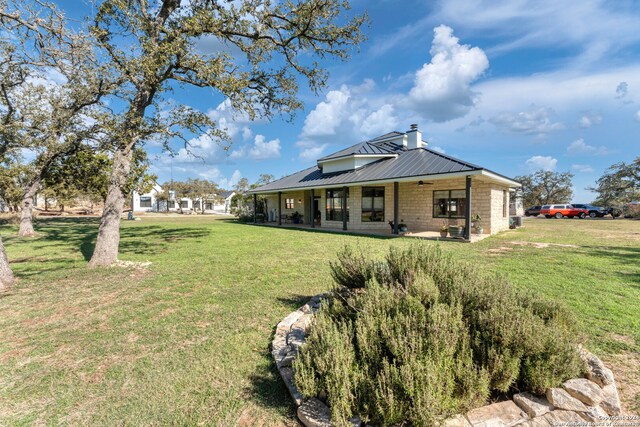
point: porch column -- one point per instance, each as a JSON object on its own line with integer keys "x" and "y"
{"x": 395, "y": 207}
{"x": 279, "y": 207}
{"x": 255, "y": 207}
{"x": 344, "y": 208}
{"x": 467, "y": 217}
{"x": 312, "y": 214}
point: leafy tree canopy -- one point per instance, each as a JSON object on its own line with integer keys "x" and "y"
{"x": 545, "y": 187}
{"x": 620, "y": 184}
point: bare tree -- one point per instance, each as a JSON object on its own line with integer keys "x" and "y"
{"x": 276, "y": 39}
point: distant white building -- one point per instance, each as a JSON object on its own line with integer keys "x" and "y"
{"x": 149, "y": 202}
{"x": 225, "y": 202}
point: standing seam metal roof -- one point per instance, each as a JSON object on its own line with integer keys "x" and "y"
{"x": 416, "y": 162}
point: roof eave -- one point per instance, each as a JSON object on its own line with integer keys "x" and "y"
{"x": 440, "y": 176}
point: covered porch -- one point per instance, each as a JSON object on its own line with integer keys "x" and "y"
{"x": 421, "y": 235}
{"x": 421, "y": 204}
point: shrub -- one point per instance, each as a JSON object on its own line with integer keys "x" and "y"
{"x": 420, "y": 337}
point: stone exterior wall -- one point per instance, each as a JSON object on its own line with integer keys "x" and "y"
{"x": 590, "y": 401}
{"x": 415, "y": 206}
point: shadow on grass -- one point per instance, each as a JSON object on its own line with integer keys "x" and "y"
{"x": 268, "y": 390}
{"x": 319, "y": 230}
{"x": 294, "y": 301}
{"x": 82, "y": 232}
{"x": 621, "y": 254}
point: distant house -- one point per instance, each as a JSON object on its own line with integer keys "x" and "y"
{"x": 223, "y": 204}
{"x": 148, "y": 202}
{"x": 394, "y": 178}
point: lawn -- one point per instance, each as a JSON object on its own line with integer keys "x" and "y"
{"x": 184, "y": 340}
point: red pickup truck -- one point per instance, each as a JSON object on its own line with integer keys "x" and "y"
{"x": 559, "y": 211}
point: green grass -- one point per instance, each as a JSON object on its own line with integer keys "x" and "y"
{"x": 185, "y": 341}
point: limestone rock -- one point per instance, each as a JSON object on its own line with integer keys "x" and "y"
{"x": 280, "y": 353}
{"x": 285, "y": 324}
{"x": 563, "y": 400}
{"x": 456, "y": 421}
{"x": 560, "y": 417}
{"x": 279, "y": 342}
{"x": 303, "y": 323}
{"x": 287, "y": 376}
{"x": 314, "y": 413}
{"x": 296, "y": 338}
{"x": 595, "y": 414}
{"x": 536, "y": 422}
{"x": 596, "y": 371}
{"x": 502, "y": 414}
{"x": 288, "y": 359}
{"x": 611, "y": 401}
{"x": 584, "y": 390}
{"x": 534, "y": 406}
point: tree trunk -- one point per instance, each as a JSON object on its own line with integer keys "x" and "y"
{"x": 6, "y": 275}
{"x": 108, "y": 241}
{"x": 26, "y": 216}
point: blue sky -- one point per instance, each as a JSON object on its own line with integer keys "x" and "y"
{"x": 513, "y": 86}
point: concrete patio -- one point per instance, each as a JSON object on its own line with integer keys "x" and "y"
{"x": 424, "y": 235}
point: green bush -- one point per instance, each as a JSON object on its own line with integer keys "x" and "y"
{"x": 420, "y": 337}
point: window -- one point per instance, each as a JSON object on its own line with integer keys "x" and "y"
{"x": 171, "y": 204}
{"x": 335, "y": 210}
{"x": 145, "y": 202}
{"x": 449, "y": 204}
{"x": 184, "y": 204}
{"x": 289, "y": 203}
{"x": 373, "y": 204}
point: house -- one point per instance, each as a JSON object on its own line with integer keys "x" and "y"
{"x": 223, "y": 203}
{"x": 392, "y": 179}
{"x": 148, "y": 202}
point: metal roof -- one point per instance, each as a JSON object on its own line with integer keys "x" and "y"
{"x": 362, "y": 148}
{"x": 418, "y": 162}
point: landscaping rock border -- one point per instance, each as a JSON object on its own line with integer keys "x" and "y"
{"x": 593, "y": 400}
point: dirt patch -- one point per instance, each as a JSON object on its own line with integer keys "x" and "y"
{"x": 626, "y": 369}
{"x": 132, "y": 264}
{"x": 542, "y": 245}
{"x": 500, "y": 250}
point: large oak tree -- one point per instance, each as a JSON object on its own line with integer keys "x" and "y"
{"x": 152, "y": 46}
{"x": 545, "y": 187}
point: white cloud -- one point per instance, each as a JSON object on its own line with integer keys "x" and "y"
{"x": 214, "y": 174}
{"x": 260, "y": 150}
{"x": 594, "y": 28}
{"x": 380, "y": 121}
{"x": 580, "y": 147}
{"x": 230, "y": 182}
{"x": 436, "y": 148}
{"x": 546, "y": 163}
{"x": 589, "y": 119}
{"x": 328, "y": 115}
{"x": 441, "y": 88}
{"x": 346, "y": 116}
{"x": 637, "y": 115}
{"x": 563, "y": 90}
{"x": 310, "y": 153}
{"x": 198, "y": 150}
{"x": 535, "y": 121}
{"x": 233, "y": 122}
{"x": 582, "y": 168}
